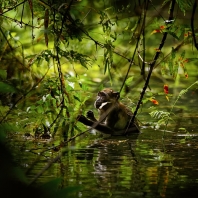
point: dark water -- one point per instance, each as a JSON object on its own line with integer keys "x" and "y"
{"x": 143, "y": 166}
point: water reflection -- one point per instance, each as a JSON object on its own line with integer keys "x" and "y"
{"x": 114, "y": 168}
{"x": 143, "y": 166}
{"x": 146, "y": 167}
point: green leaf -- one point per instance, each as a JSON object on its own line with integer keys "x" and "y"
{"x": 129, "y": 80}
{"x": 192, "y": 59}
{"x": 6, "y": 88}
{"x": 164, "y": 2}
{"x": 173, "y": 34}
{"x": 76, "y": 98}
{"x": 182, "y": 141}
{"x": 184, "y": 4}
{"x": 183, "y": 54}
{"x": 170, "y": 65}
{"x": 175, "y": 70}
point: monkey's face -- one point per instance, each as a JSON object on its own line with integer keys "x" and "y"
{"x": 106, "y": 98}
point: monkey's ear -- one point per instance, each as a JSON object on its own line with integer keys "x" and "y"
{"x": 116, "y": 95}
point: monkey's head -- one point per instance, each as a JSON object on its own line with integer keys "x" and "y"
{"x": 106, "y": 98}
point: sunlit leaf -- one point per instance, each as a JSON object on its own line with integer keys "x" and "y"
{"x": 129, "y": 80}
{"x": 167, "y": 97}
{"x": 182, "y": 141}
{"x": 182, "y": 129}
{"x": 154, "y": 101}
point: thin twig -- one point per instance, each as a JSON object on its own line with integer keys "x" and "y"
{"x": 143, "y": 61}
{"x": 19, "y": 22}
{"x": 97, "y": 43}
{"x": 137, "y": 43}
{"x": 192, "y": 24}
{"x": 13, "y": 7}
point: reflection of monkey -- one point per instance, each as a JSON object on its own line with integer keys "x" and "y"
{"x": 114, "y": 116}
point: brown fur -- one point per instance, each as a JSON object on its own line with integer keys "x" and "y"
{"x": 119, "y": 116}
{"x": 112, "y": 114}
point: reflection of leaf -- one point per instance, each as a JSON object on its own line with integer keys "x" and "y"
{"x": 6, "y": 88}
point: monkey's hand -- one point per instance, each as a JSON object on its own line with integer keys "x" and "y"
{"x": 90, "y": 115}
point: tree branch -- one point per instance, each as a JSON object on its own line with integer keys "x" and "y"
{"x": 137, "y": 43}
{"x": 192, "y": 24}
{"x": 152, "y": 64}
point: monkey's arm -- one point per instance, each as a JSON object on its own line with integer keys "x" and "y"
{"x": 100, "y": 127}
{"x": 105, "y": 129}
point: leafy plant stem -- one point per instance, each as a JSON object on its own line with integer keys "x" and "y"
{"x": 182, "y": 92}
{"x": 152, "y": 64}
{"x": 23, "y": 96}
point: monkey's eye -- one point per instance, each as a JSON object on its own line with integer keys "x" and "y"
{"x": 101, "y": 98}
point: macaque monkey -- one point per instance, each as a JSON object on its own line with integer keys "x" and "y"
{"x": 114, "y": 117}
